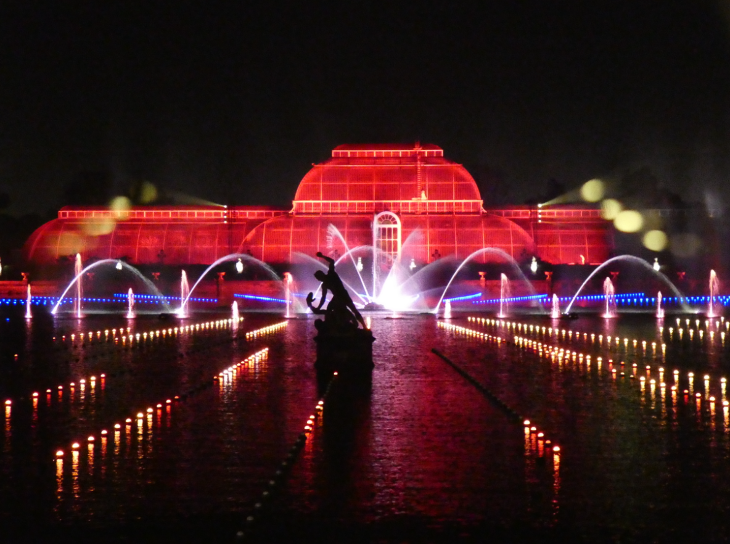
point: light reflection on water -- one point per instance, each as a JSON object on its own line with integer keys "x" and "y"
{"x": 423, "y": 448}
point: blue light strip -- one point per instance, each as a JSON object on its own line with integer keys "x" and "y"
{"x": 154, "y": 299}
{"x": 511, "y": 299}
{"x": 266, "y": 299}
{"x": 467, "y": 297}
{"x": 623, "y": 299}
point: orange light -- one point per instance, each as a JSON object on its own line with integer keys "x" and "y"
{"x": 59, "y": 453}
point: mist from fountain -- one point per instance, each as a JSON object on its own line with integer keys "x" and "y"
{"x": 235, "y": 316}
{"x": 555, "y": 312}
{"x": 392, "y": 290}
{"x": 659, "y": 309}
{"x": 610, "y": 294}
{"x": 714, "y": 290}
{"x": 447, "y": 309}
{"x": 130, "y": 304}
{"x": 334, "y": 232}
{"x": 77, "y": 272}
{"x": 643, "y": 264}
{"x": 120, "y": 265}
{"x": 28, "y": 314}
{"x": 505, "y": 293}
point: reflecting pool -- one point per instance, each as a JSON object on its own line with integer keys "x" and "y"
{"x": 192, "y": 429}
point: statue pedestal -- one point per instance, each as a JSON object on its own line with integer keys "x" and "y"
{"x": 348, "y": 354}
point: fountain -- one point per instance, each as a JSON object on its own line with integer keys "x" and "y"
{"x": 234, "y": 313}
{"x": 187, "y": 292}
{"x": 644, "y": 265}
{"x": 447, "y": 309}
{"x": 478, "y": 252}
{"x": 184, "y": 294}
{"x": 130, "y": 300}
{"x": 332, "y": 233}
{"x": 659, "y": 309}
{"x": 28, "y": 315}
{"x": 555, "y": 313}
{"x": 119, "y": 266}
{"x": 714, "y": 290}
{"x": 610, "y": 293}
{"x": 287, "y": 292}
{"x": 78, "y": 268}
{"x": 505, "y": 292}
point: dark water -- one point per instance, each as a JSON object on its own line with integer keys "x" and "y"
{"x": 422, "y": 455}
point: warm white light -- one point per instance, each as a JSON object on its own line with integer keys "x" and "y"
{"x": 592, "y": 190}
{"x": 628, "y": 221}
{"x": 610, "y": 208}
{"x": 655, "y": 240}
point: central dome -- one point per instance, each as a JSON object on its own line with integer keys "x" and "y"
{"x": 371, "y": 178}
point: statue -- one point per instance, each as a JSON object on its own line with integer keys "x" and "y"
{"x": 342, "y": 345}
{"x": 341, "y": 315}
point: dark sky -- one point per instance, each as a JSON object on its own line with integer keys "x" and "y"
{"x": 233, "y": 104}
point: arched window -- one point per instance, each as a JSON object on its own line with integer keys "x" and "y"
{"x": 386, "y": 247}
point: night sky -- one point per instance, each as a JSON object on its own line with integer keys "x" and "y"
{"x": 233, "y": 104}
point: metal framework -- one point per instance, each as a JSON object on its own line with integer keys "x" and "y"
{"x": 375, "y": 195}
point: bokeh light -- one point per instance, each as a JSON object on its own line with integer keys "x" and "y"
{"x": 655, "y": 240}
{"x": 628, "y": 221}
{"x": 99, "y": 226}
{"x": 120, "y": 204}
{"x": 147, "y": 192}
{"x": 610, "y": 208}
{"x": 592, "y": 190}
{"x": 70, "y": 243}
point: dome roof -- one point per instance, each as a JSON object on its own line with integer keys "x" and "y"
{"x": 377, "y": 177}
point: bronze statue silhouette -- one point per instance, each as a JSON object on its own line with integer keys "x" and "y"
{"x": 341, "y": 314}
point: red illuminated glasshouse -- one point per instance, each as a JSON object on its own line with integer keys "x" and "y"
{"x": 382, "y": 195}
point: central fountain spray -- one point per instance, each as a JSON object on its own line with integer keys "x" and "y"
{"x": 555, "y": 312}
{"x": 28, "y": 315}
{"x": 505, "y": 292}
{"x": 78, "y": 267}
{"x": 130, "y": 300}
{"x": 184, "y": 293}
{"x": 610, "y": 293}
{"x": 714, "y": 290}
